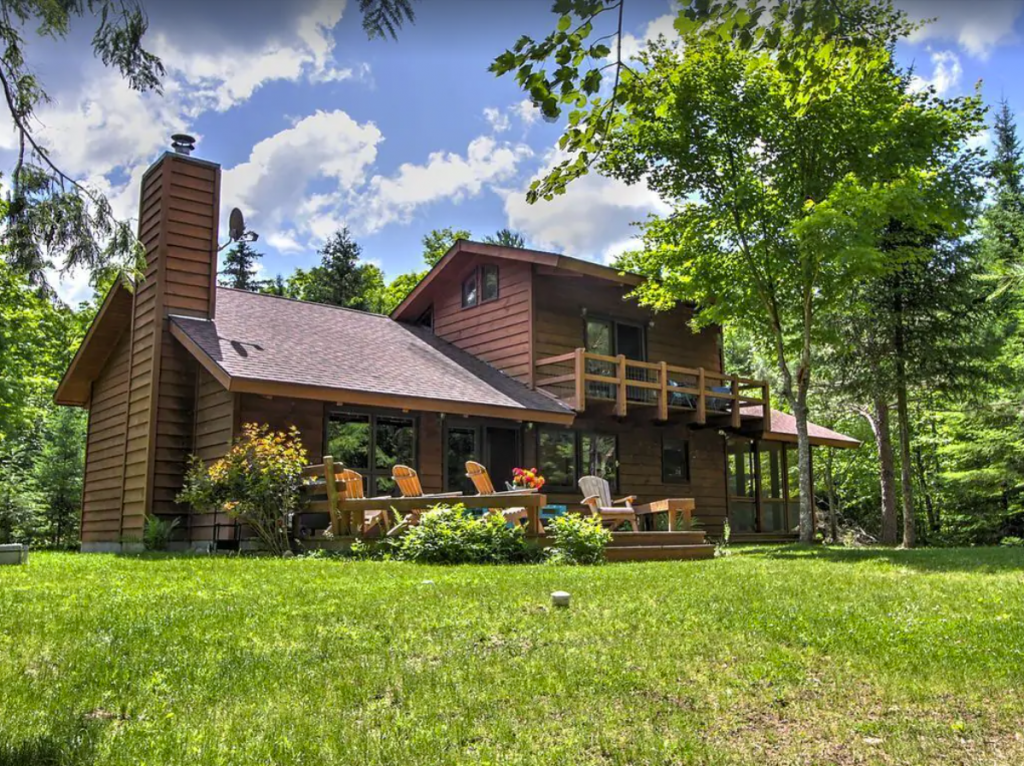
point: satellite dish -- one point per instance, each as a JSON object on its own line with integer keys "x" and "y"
{"x": 236, "y": 224}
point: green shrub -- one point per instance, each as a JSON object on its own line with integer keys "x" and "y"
{"x": 450, "y": 535}
{"x": 156, "y": 534}
{"x": 577, "y": 539}
{"x": 1012, "y": 542}
{"x": 258, "y": 482}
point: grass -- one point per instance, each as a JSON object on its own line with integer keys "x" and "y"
{"x": 781, "y": 656}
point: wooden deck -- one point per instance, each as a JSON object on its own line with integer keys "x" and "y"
{"x": 625, "y": 546}
{"x": 581, "y": 377}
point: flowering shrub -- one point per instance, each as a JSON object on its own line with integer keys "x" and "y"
{"x": 528, "y": 478}
{"x": 577, "y": 539}
{"x": 258, "y": 482}
{"x": 449, "y": 535}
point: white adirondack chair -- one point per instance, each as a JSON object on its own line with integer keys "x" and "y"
{"x": 597, "y": 495}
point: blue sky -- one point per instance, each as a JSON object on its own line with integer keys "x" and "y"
{"x": 317, "y": 127}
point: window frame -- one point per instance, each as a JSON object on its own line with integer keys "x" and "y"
{"x": 474, "y": 277}
{"x": 685, "y": 442}
{"x": 371, "y": 473}
{"x": 479, "y": 428}
{"x": 483, "y": 268}
{"x": 477, "y": 279}
{"x": 578, "y": 435}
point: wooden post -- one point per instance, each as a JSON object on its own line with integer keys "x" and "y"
{"x": 581, "y": 380}
{"x": 766, "y": 408}
{"x": 663, "y": 394}
{"x": 332, "y": 494}
{"x": 620, "y": 394}
{"x": 702, "y": 405}
{"x": 735, "y": 403}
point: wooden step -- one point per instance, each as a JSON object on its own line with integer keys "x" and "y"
{"x": 657, "y": 538}
{"x": 768, "y": 538}
{"x": 659, "y": 552}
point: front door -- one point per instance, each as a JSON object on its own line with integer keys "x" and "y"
{"x": 502, "y": 448}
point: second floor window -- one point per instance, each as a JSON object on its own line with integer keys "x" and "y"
{"x": 480, "y": 286}
{"x": 470, "y": 291}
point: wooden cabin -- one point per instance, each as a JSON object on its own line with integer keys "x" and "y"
{"x": 506, "y": 356}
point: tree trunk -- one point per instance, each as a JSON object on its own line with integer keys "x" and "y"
{"x": 902, "y": 413}
{"x": 879, "y": 420}
{"x": 933, "y": 522}
{"x": 803, "y": 448}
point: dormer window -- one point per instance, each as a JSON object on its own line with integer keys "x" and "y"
{"x": 470, "y": 291}
{"x": 488, "y": 283}
{"x": 480, "y": 286}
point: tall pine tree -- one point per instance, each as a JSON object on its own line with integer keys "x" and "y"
{"x": 340, "y": 279}
{"x": 240, "y": 269}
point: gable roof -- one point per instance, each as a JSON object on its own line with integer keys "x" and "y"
{"x": 408, "y": 309}
{"x": 282, "y": 347}
{"x": 113, "y": 318}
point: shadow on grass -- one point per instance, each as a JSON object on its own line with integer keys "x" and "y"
{"x": 69, "y": 743}
{"x": 992, "y": 559}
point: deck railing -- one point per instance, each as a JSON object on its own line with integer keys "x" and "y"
{"x": 580, "y": 376}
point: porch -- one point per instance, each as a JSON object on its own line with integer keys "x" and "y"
{"x": 331, "y": 509}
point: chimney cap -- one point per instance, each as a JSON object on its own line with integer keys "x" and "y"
{"x": 183, "y": 143}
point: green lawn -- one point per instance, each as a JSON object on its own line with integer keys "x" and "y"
{"x": 769, "y": 657}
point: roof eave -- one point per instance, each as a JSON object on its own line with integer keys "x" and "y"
{"x": 61, "y": 396}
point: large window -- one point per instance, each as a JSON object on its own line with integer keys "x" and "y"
{"x": 564, "y": 456}
{"x": 462, "y": 444}
{"x": 372, "y": 444}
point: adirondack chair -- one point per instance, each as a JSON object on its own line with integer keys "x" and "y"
{"x": 597, "y": 495}
{"x": 477, "y": 473}
{"x": 381, "y": 519}
{"x": 408, "y": 482}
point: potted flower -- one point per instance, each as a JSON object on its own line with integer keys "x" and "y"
{"x": 527, "y": 478}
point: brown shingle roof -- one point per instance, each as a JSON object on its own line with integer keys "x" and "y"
{"x": 784, "y": 429}
{"x": 277, "y": 340}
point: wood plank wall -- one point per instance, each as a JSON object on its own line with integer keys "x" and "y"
{"x": 104, "y": 462}
{"x": 178, "y": 215}
{"x": 559, "y": 328}
{"x": 216, "y": 420}
{"x": 307, "y": 415}
{"x": 431, "y": 452}
{"x": 559, "y": 324}
{"x": 496, "y": 331}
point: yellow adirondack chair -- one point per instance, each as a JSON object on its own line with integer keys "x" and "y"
{"x": 477, "y": 473}
{"x": 408, "y": 482}
{"x": 597, "y": 495}
{"x": 354, "y": 490}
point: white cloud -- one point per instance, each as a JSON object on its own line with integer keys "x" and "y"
{"x": 977, "y": 26}
{"x": 275, "y": 184}
{"x": 285, "y": 241}
{"x": 946, "y": 75}
{"x": 663, "y": 25}
{"x": 445, "y": 175}
{"x": 225, "y": 76}
{"x": 591, "y": 220}
{"x": 497, "y": 119}
{"x": 526, "y": 112}
{"x": 73, "y": 287}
